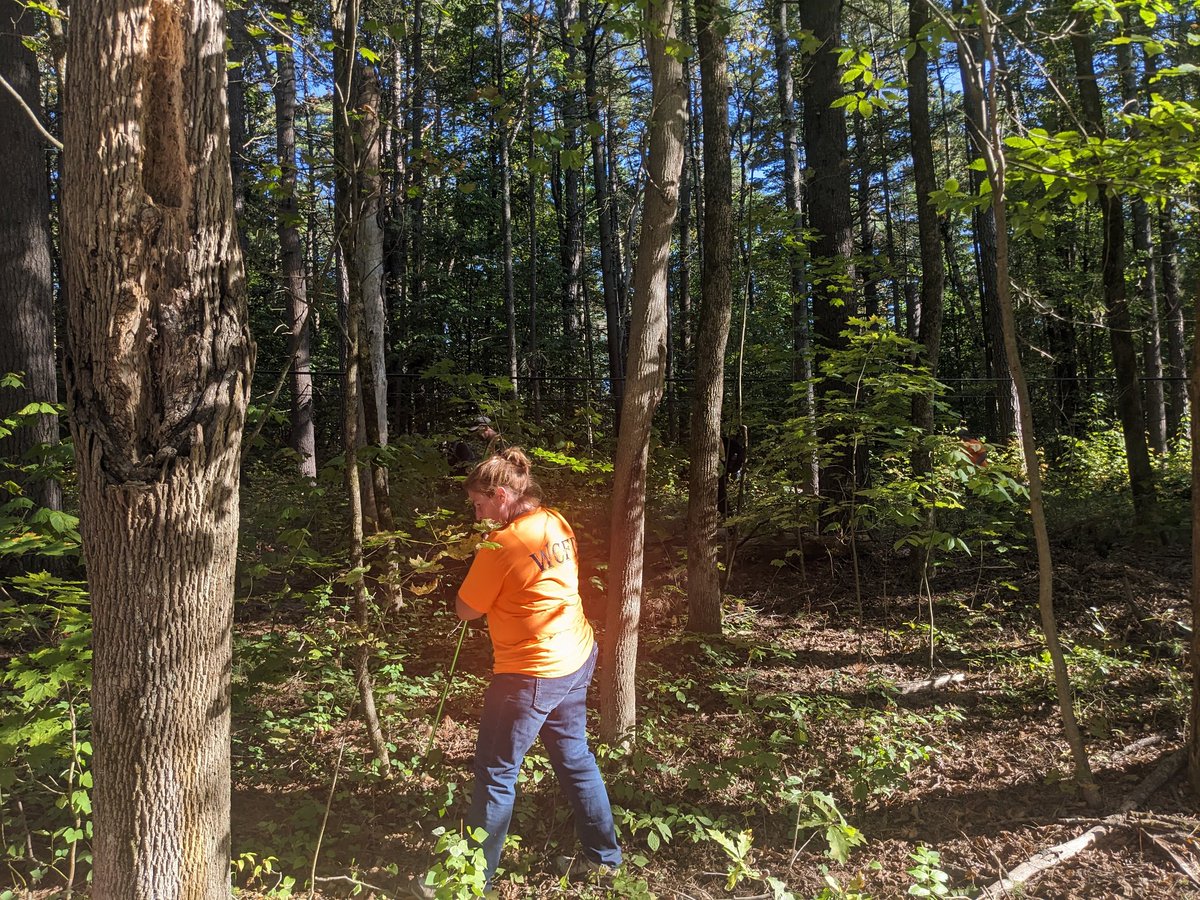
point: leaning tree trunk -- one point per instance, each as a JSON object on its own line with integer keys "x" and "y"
{"x": 644, "y": 372}
{"x": 1120, "y": 322}
{"x": 991, "y": 145}
{"x": 933, "y": 274}
{"x": 158, "y": 376}
{"x": 291, "y": 261}
{"x": 26, "y": 289}
{"x": 716, "y": 304}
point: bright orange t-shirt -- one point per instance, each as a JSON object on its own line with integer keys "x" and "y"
{"x": 529, "y": 588}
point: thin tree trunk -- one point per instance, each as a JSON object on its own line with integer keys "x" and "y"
{"x": 869, "y": 268}
{"x": 933, "y": 275}
{"x": 1176, "y": 368}
{"x": 984, "y": 222}
{"x": 157, "y": 417}
{"x": 506, "y": 231}
{"x": 1120, "y": 322}
{"x": 291, "y": 252}
{"x": 568, "y": 18}
{"x": 348, "y": 210}
{"x": 647, "y": 345}
{"x": 1146, "y": 266}
{"x": 609, "y": 255}
{"x": 26, "y": 284}
{"x": 793, "y": 193}
{"x": 991, "y": 145}
{"x": 716, "y": 303}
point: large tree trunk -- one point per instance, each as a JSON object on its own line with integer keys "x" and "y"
{"x": 716, "y": 302}
{"x": 1116, "y": 305}
{"x": 933, "y": 274}
{"x": 152, "y": 256}
{"x": 647, "y": 359}
{"x": 291, "y": 260}
{"x": 829, "y": 209}
{"x": 26, "y": 289}
{"x": 1193, "y": 744}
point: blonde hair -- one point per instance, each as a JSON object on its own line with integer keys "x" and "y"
{"x": 510, "y": 469}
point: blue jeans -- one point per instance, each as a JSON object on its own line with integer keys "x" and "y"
{"x": 516, "y": 710}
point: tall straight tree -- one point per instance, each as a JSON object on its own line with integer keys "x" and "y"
{"x": 829, "y": 210}
{"x": 716, "y": 303}
{"x": 291, "y": 256}
{"x": 572, "y": 164}
{"x": 644, "y": 372}
{"x": 1130, "y": 409}
{"x": 500, "y": 118}
{"x": 802, "y": 368}
{"x": 933, "y": 274}
{"x": 610, "y": 264}
{"x": 1007, "y": 423}
{"x": 1176, "y": 368}
{"x": 158, "y": 376}
{"x": 26, "y": 291}
{"x": 348, "y": 163}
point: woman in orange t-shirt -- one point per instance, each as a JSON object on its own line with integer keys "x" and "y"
{"x": 528, "y": 588}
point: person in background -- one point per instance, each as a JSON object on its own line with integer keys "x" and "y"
{"x": 478, "y": 442}
{"x": 545, "y": 654}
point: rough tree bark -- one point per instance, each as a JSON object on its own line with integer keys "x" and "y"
{"x": 644, "y": 384}
{"x": 26, "y": 289}
{"x": 158, "y": 375}
{"x": 716, "y": 304}
{"x": 291, "y": 260}
{"x": 1177, "y": 399}
{"x": 829, "y": 209}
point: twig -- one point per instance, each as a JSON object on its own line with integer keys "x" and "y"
{"x": 324, "y": 820}
{"x": 1125, "y": 752}
{"x": 437, "y": 718}
{"x": 353, "y": 881}
{"x": 1180, "y": 863}
{"x": 37, "y": 123}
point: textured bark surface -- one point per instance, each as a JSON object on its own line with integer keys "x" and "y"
{"x": 26, "y": 293}
{"x": 291, "y": 263}
{"x": 158, "y": 373}
{"x": 716, "y": 303}
{"x": 644, "y": 373}
{"x": 572, "y": 250}
{"x": 1176, "y": 367}
{"x": 827, "y": 158}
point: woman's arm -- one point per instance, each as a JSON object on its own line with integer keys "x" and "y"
{"x": 465, "y": 610}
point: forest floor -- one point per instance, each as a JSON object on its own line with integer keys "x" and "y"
{"x": 769, "y": 751}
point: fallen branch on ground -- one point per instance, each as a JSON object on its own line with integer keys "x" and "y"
{"x": 1047, "y": 859}
{"x": 930, "y": 684}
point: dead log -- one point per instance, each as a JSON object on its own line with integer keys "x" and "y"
{"x": 1015, "y": 880}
